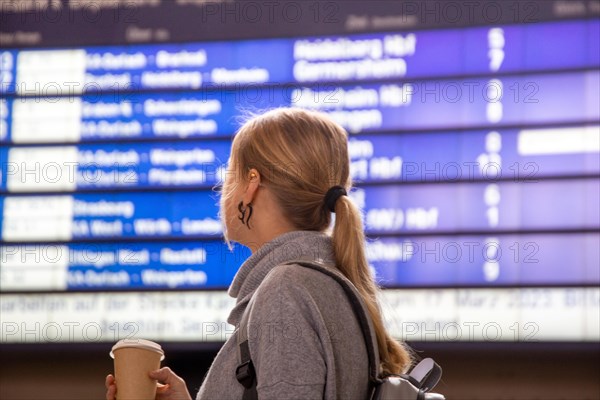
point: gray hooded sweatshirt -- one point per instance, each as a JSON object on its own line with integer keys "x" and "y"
{"x": 304, "y": 339}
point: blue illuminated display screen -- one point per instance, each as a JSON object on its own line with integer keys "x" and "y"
{"x": 474, "y": 152}
{"x": 503, "y": 259}
{"x": 400, "y": 262}
{"x": 323, "y": 59}
{"x": 526, "y": 100}
{"x": 448, "y": 207}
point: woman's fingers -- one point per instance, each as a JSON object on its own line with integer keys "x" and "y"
{"x": 109, "y": 380}
{"x": 162, "y": 389}
{"x": 111, "y": 388}
{"x": 166, "y": 376}
{"x": 174, "y": 387}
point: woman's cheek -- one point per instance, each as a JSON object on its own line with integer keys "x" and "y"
{"x": 229, "y": 212}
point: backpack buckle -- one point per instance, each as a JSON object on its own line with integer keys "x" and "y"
{"x": 245, "y": 374}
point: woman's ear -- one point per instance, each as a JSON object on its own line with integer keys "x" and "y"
{"x": 253, "y": 184}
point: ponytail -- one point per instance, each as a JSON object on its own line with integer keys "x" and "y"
{"x": 349, "y": 249}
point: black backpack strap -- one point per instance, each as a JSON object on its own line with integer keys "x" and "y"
{"x": 245, "y": 373}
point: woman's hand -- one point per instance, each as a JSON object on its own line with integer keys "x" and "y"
{"x": 170, "y": 386}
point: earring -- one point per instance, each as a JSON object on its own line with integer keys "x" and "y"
{"x": 242, "y": 210}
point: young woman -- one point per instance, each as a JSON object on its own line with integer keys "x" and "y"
{"x": 288, "y": 172}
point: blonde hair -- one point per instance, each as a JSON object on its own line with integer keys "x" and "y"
{"x": 300, "y": 154}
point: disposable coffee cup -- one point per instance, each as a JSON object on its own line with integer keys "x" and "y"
{"x": 134, "y": 359}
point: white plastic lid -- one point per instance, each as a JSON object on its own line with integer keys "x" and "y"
{"x": 140, "y": 344}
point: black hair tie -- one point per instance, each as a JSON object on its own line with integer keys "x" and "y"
{"x": 332, "y": 196}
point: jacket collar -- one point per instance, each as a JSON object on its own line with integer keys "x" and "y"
{"x": 286, "y": 247}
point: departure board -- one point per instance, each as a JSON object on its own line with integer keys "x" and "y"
{"x": 475, "y": 154}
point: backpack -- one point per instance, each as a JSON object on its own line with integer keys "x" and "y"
{"x": 414, "y": 386}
